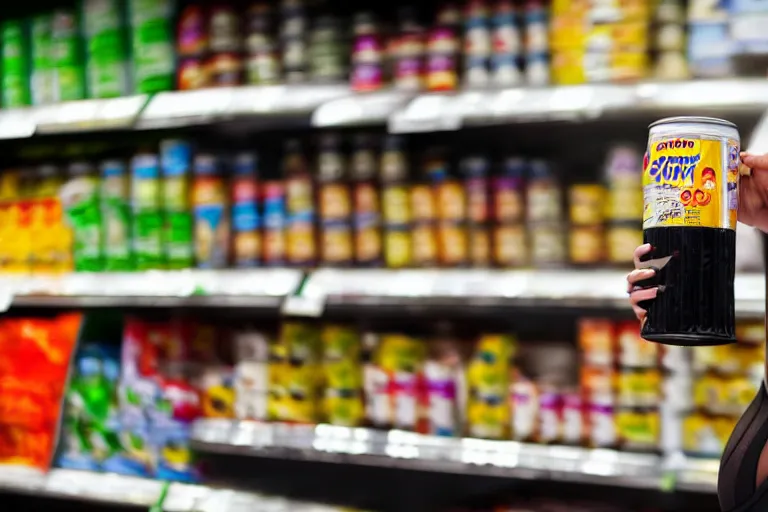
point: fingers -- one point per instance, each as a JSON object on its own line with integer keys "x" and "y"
{"x": 755, "y": 161}
{"x": 639, "y": 252}
{"x": 639, "y": 274}
{"x": 639, "y": 296}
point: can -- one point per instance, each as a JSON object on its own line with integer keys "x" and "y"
{"x": 690, "y": 201}
{"x": 176, "y": 166}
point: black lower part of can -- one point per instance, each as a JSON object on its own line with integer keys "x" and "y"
{"x": 695, "y": 304}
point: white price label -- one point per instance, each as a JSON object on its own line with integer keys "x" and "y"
{"x": 307, "y": 306}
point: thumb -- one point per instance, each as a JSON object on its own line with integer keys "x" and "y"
{"x": 755, "y": 161}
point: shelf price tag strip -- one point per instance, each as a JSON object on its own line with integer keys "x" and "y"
{"x": 428, "y": 113}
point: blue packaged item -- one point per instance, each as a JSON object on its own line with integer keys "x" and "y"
{"x": 175, "y": 461}
{"x": 246, "y": 223}
{"x": 135, "y": 456}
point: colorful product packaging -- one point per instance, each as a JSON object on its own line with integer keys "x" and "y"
{"x": 211, "y": 210}
{"x": 146, "y": 205}
{"x": 151, "y": 36}
{"x": 116, "y": 216}
{"x": 246, "y": 219}
{"x": 15, "y": 61}
{"x": 176, "y": 167}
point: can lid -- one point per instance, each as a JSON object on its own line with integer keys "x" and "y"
{"x": 692, "y": 119}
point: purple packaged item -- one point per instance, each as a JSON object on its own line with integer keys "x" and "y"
{"x": 409, "y": 73}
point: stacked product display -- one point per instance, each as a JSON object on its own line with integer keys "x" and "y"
{"x": 363, "y": 201}
{"x": 432, "y": 381}
{"x": 123, "y": 47}
{"x": 102, "y": 49}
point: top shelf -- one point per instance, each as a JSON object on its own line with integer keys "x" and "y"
{"x": 401, "y": 111}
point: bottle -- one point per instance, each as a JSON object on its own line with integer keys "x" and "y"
{"x": 299, "y": 199}
{"x": 366, "y": 216}
{"x": 80, "y": 198}
{"x": 116, "y": 216}
{"x": 395, "y": 204}
{"x": 334, "y": 203}
{"x": 211, "y": 209}
{"x": 176, "y": 169}
{"x": 147, "y": 215}
{"x": 246, "y": 222}
{"x": 690, "y": 221}
{"x": 475, "y": 171}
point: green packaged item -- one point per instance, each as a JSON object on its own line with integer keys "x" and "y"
{"x": 176, "y": 163}
{"x": 80, "y": 200}
{"x": 68, "y": 62}
{"x": 106, "y": 48}
{"x": 15, "y": 64}
{"x": 43, "y": 75}
{"x": 147, "y": 212}
{"x": 116, "y": 216}
{"x": 152, "y": 45}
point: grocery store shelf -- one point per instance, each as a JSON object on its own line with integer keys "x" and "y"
{"x": 566, "y": 288}
{"x": 408, "y": 450}
{"x": 557, "y": 288}
{"x": 181, "y": 108}
{"x": 73, "y": 116}
{"x": 403, "y": 112}
{"x": 226, "y": 288}
{"x": 110, "y": 488}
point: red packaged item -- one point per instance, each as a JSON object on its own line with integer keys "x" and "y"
{"x": 180, "y": 400}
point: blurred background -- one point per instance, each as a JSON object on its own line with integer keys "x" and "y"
{"x": 307, "y": 255}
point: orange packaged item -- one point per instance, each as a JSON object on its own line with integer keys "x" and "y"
{"x": 598, "y": 384}
{"x": 31, "y": 393}
{"x": 596, "y": 340}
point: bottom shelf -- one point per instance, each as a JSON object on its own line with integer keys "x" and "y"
{"x": 116, "y": 489}
{"x": 408, "y": 450}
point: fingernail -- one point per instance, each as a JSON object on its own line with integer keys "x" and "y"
{"x": 744, "y": 154}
